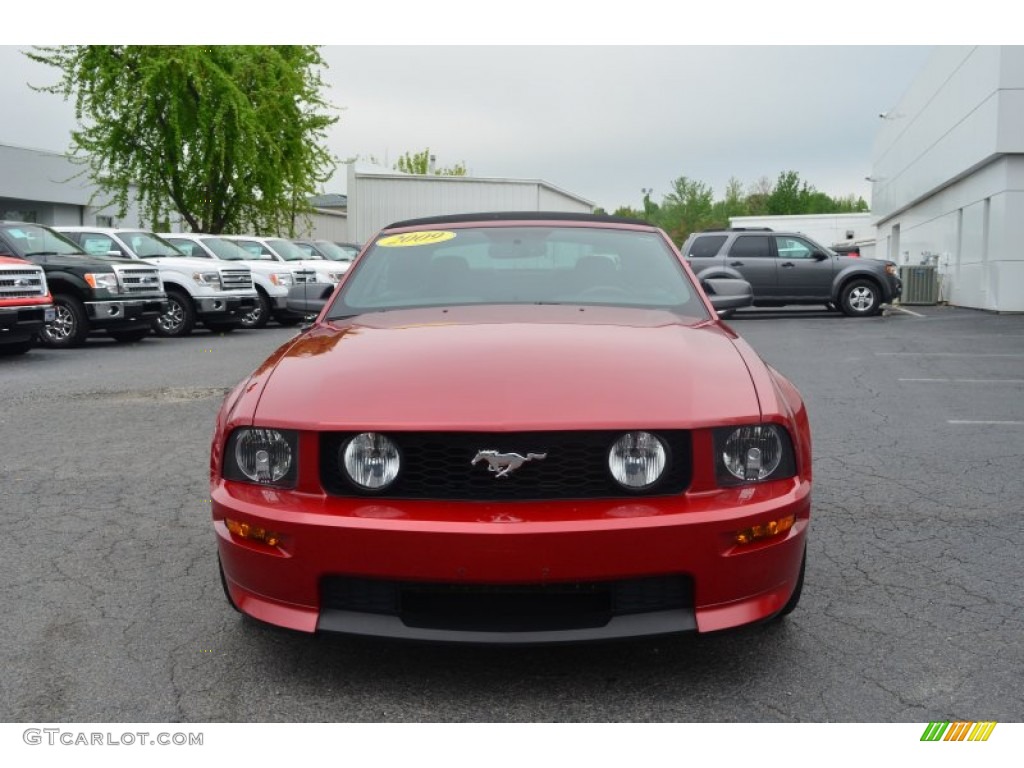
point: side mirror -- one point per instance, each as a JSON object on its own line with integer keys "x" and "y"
{"x": 819, "y": 256}
{"x": 727, "y": 293}
{"x": 309, "y": 298}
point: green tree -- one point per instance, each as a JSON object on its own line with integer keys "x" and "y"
{"x": 687, "y": 208}
{"x": 229, "y": 137}
{"x": 419, "y": 162}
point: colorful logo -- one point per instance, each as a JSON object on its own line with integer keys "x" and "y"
{"x": 958, "y": 731}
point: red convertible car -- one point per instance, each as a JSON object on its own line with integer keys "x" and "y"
{"x": 514, "y": 428}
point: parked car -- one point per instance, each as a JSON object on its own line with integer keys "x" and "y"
{"x": 343, "y": 253}
{"x": 279, "y": 249}
{"x": 218, "y": 296}
{"x": 25, "y": 304}
{"x": 790, "y": 268}
{"x": 271, "y": 279}
{"x": 546, "y": 435}
{"x": 120, "y": 296}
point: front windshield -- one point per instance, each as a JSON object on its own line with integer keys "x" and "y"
{"x": 337, "y": 252}
{"x": 34, "y": 240}
{"x": 146, "y": 245}
{"x": 225, "y": 249}
{"x": 519, "y": 265}
{"x": 289, "y": 251}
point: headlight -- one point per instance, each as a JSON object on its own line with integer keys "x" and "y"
{"x": 207, "y": 278}
{"x": 753, "y": 453}
{"x": 106, "y": 281}
{"x": 281, "y": 278}
{"x": 636, "y": 460}
{"x": 371, "y": 461}
{"x": 264, "y": 456}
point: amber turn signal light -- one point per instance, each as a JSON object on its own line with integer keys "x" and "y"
{"x": 253, "y": 533}
{"x": 765, "y": 531}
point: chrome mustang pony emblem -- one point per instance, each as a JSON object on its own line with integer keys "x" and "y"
{"x": 503, "y": 463}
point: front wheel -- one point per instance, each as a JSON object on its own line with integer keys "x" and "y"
{"x": 179, "y": 319}
{"x": 260, "y": 314}
{"x": 70, "y": 324}
{"x": 860, "y": 298}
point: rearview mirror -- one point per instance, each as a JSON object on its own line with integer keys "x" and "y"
{"x": 728, "y": 293}
{"x": 309, "y": 298}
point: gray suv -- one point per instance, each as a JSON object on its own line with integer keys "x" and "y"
{"x": 790, "y": 268}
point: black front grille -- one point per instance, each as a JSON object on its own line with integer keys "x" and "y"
{"x": 505, "y": 607}
{"x": 439, "y": 465}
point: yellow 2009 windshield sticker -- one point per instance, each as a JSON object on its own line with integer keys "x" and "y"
{"x": 409, "y": 239}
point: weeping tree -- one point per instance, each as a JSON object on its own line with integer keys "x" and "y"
{"x": 229, "y": 137}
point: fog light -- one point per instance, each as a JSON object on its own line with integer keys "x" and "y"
{"x": 253, "y": 533}
{"x": 765, "y": 531}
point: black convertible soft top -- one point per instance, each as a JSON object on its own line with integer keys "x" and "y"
{"x": 516, "y": 216}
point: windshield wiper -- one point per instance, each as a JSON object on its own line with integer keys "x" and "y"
{"x": 51, "y": 253}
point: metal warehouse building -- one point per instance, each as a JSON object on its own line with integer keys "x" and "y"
{"x": 948, "y": 176}
{"x": 377, "y": 197}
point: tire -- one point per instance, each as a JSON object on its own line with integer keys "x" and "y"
{"x": 224, "y": 586}
{"x": 180, "y": 317}
{"x": 860, "y": 298}
{"x": 260, "y": 314}
{"x": 69, "y": 328}
{"x": 791, "y": 604}
{"x": 128, "y": 337}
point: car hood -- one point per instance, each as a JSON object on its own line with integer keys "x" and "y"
{"x": 510, "y": 368}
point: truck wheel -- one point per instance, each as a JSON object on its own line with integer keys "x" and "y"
{"x": 180, "y": 317}
{"x": 124, "y": 337}
{"x": 70, "y": 325}
{"x": 260, "y": 314}
{"x": 860, "y": 298}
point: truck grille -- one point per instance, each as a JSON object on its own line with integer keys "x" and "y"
{"x": 305, "y": 276}
{"x": 236, "y": 279}
{"x": 438, "y": 465}
{"x": 139, "y": 280}
{"x": 21, "y": 283}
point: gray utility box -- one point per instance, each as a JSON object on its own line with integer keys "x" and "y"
{"x": 920, "y": 284}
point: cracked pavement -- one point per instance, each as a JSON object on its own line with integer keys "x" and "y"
{"x": 911, "y": 611}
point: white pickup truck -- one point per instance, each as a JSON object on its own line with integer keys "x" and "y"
{"x": 217, "y": 295}
{"x": 271, "y": 279}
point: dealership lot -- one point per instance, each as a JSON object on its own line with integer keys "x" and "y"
{"x": 911, "y": 610}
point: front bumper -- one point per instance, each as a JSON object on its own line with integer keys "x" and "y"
{"x": 213, "y": 307}
{"x": 130, "y": 312}
{"x": 22, "y": 323}
{"x": 453, "y": 546}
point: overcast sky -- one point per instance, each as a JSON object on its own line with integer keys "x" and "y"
{"x": 600, "y": 122}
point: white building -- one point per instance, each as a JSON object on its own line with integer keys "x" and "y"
{"x": 829, "y": 229}
{"x": 948, "y": 175}
{"x": 378, "y": 197}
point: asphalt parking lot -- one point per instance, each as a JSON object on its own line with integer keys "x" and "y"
{"x": 912, "y": 608}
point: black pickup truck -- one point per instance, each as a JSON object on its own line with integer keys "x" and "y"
{"x": 121, "y": 296}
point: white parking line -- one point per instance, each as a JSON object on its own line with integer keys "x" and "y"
{"x": 949, "y": 354}
{"x": 905, "y": 311}
{"x": 989, "y": 423}
{"x": 966, "y": 381}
